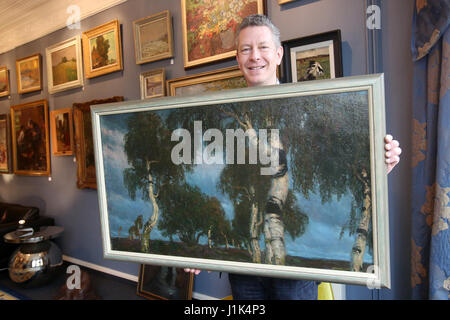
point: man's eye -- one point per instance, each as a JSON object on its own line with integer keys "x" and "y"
{"x": 245, "y": 50}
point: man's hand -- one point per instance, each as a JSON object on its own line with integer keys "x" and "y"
{"x": 393, "y": 152}
{"x": 194, "y": 271}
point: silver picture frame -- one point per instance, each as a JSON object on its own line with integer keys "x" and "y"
{"x": 335, "y": 202}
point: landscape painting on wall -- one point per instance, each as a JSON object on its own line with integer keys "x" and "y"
{"x": 29, "y": 74}
{"x": 238, "y": 182}
{"x": 153, "y": 38}
{"x": 64, "y": 65}
{"x": 61, "y": 124}
{"x": 217, "y": 80}
{"x": 209, "y": 28}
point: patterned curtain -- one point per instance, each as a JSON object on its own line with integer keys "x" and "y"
{"x": 430, "y": 247}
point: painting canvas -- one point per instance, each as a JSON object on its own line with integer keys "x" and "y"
{"x": 64, "y": 65}
{"x": 285, "y": 181}
{"x": 315, "y": 57}
{"x": 102, "y": 49}
{"x": 209, "y": 28}
{"x": 227, "y": 78}
{"x": 153, "y": 84}
{"x": 164, "y": 283}
{"x": 29, "y": 74}
{"x": 4, "y": 82}
{"x": 30, "y": 137}
{"x": 84, "y": 148}
{"x": 153, "y": 38}
{"x": 61, "y": 123}
{"x": 5, "y": 145}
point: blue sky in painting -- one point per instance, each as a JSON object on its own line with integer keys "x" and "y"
{"x": 321, "y": 239}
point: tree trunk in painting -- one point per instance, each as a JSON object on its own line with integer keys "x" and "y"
{"x": 255, "y": 224}
{"x": 151, "y": 223}
{"x": 359, "y": 247}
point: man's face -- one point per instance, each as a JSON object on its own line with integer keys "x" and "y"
{"x": 257, "y": 56}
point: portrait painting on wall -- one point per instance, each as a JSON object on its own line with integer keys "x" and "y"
{"x": 102, "y": 49}
{"x": 209, "y": 28}
{"x": 29, "y": 74}
{"x": 30, "y": 137}
{"x": 64, "y": 65}
{"x": 153, "y": 38}
{"x": 4, "y": 82}
{"x": 61, "y": 124}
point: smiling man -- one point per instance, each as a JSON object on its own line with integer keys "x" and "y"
{"x": 259, "y": 52}
{"x": 258, "y": 55}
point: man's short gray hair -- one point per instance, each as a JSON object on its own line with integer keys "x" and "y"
{"x": 260, "y": 20}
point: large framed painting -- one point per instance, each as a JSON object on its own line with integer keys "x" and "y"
{"x": 84, "y": 148}
{"x": 284, "y": 181}
{"x": 153, "y": 83}
{"x": 226, "y": 78}
{"x": 29, "y": 74}
{"x": 4, "y": 82}
{"x": 209, "y": 28}
{"x": 164, "y": 283}
{"x": 153, "y": 38}
{"x": 64, "y": 65}
{"x": 5, "y": 144}
{"x": 102, "y": 49}
{"x": 314, "y": 57}
{"x": 61, "y": 125}
{"x": 30, "y": 138}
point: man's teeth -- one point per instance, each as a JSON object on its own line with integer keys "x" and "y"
{"x": 256, "y": 68}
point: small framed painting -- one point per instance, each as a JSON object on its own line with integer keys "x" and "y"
{"x": 315, "y": 57}
{"x": 4, "y": 82}
{"x": 153, "y": 38}
{"x": 30, "y": 137}
{"x": 29, "y": 74}
{"x": 5, "y": 144}
{"x": 209, "y": 28}
{"x": 226, "y": 78}
{"x": 164, "y": 283}
{"x": 102, "y": 49}
{"x": 64, "y": 65}
{"x": 61, "y": 124}
{"x": 153, "y": 84}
